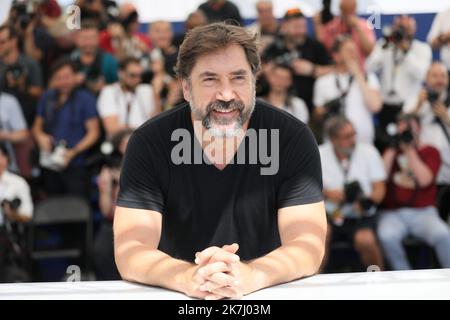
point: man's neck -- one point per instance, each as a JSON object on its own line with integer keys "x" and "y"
{"x": 271, "y": 27}
{"x": 277, "y": 95}
{"x": 126, "y": 89}
{"x": 292, "y": 43}
{"x": 341, "y": 156}
{"x": 341, "y": 68}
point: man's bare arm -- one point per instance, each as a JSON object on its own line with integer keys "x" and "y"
{"x": 136, "y": 238}
{"x": 303, "y": 231}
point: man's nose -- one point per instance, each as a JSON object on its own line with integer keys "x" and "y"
{"x": 225, "y": 92}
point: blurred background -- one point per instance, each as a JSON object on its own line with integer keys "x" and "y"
{"x": 369, "y": 77}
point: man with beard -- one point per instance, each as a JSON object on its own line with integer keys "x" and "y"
{"x": 127, "y": 103}
{"x": 354, "y": 183}
{"x": 217, "y": 229}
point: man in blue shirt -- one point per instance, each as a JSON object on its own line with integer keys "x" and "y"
{"x": 94, "y": 67}
{"x": 66, "y": 117}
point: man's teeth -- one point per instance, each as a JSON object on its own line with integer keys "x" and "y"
{"x": 224, "y": 111}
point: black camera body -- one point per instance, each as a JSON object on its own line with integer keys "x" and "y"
{"x": 14, "y": 204}
{"x": 25, "y": 13}
{"x": 16, "y": 71}
{"x": 284, "y": 56}
{"x": 394, "y": 36}
{"x": 432, "y": 96}
{"x": 354, "y": 193}
{"x": 335, "y": 106}
{"x": 405, "y": 137}
{"x": 107, "y": 156}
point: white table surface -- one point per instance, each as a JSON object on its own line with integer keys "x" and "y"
{"x": 417, "y": 284}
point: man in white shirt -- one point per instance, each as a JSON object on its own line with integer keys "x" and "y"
{"x": 402, "y": 63}
{"x": 13, "y": 127}
{"x": 353, "y": 183}
{"x": 127, "y": 103}
{"x": 439, "y": 36}
{"x": 16, "y": 207}
{"x": 348, "y": 91}
{"x": 432, "y": 105}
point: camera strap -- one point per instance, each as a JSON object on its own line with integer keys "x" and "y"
{"x": 396, "y": 60}
{"x": 444, "y": 129}
{"x": 343, "y": 92}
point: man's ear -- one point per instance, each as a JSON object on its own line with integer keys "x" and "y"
{"x": 186, "y": 89}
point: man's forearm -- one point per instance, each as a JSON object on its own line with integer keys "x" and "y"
{"x": 366, "y": 44}
{"x": 88, "y": 141}
{"x": 14, "y": 137}
{"x": 372, "y": 97}
{"x": 289, "y": 262}
{"x": 421, "y": 171}
{"x": 153, "y": 267}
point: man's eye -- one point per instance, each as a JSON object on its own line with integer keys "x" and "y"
{"x": 208, "y": 79}
{"x": 239, "y": 78}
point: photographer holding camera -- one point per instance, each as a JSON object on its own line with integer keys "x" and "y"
{"x": 432, "y": 105}
{"x": 348, "y": 23}
{"x": 95, "y": 68}
{"x": 16, "y": 208}
{"x": 21, "y": 75}
{"x": 409, "y": 206}
{"x": 402, "y": 63}
{"x": 348, "y": 91}
{"x": 66, "y": 127}
{"x": 354, "y": 184}
{"x": 108, "y": 186}
{"x": 293, "y": 47}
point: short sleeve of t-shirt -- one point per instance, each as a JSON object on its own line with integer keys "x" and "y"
{"x": 106, "y": 102}
{"x": 432, "y": 159}
{"x": 89, "y": 107}
{"x": 139, "y": 186}
{"x": 42, "y": 102}
{"x": 34, "y": 72}
{"x": 301, "y": 171}
{"x": 376, "y": 168}
{"x": 14, "y": 115}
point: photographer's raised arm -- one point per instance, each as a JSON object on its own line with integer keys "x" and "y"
{"x": 372, "y": 97}
{"x": 422, "y": 173}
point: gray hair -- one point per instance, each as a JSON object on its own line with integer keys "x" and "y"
{"x": 334, "y": 124}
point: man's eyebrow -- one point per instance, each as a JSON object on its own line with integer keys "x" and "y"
{"x": 240, "y": 72}
{"x": 207, "y": 74}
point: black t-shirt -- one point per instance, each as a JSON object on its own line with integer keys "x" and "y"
{"x": 310, "y": 50}
{"x": 225, "y": 12}
{"x": 202, "y": 206}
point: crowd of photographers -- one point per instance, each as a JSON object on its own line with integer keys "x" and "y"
{"x": 70, "y": 99}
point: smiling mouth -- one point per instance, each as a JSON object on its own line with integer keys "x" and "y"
{"x": 228, "y": 111}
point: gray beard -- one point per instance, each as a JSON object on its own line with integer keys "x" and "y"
{"x": 210, "y": 124}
